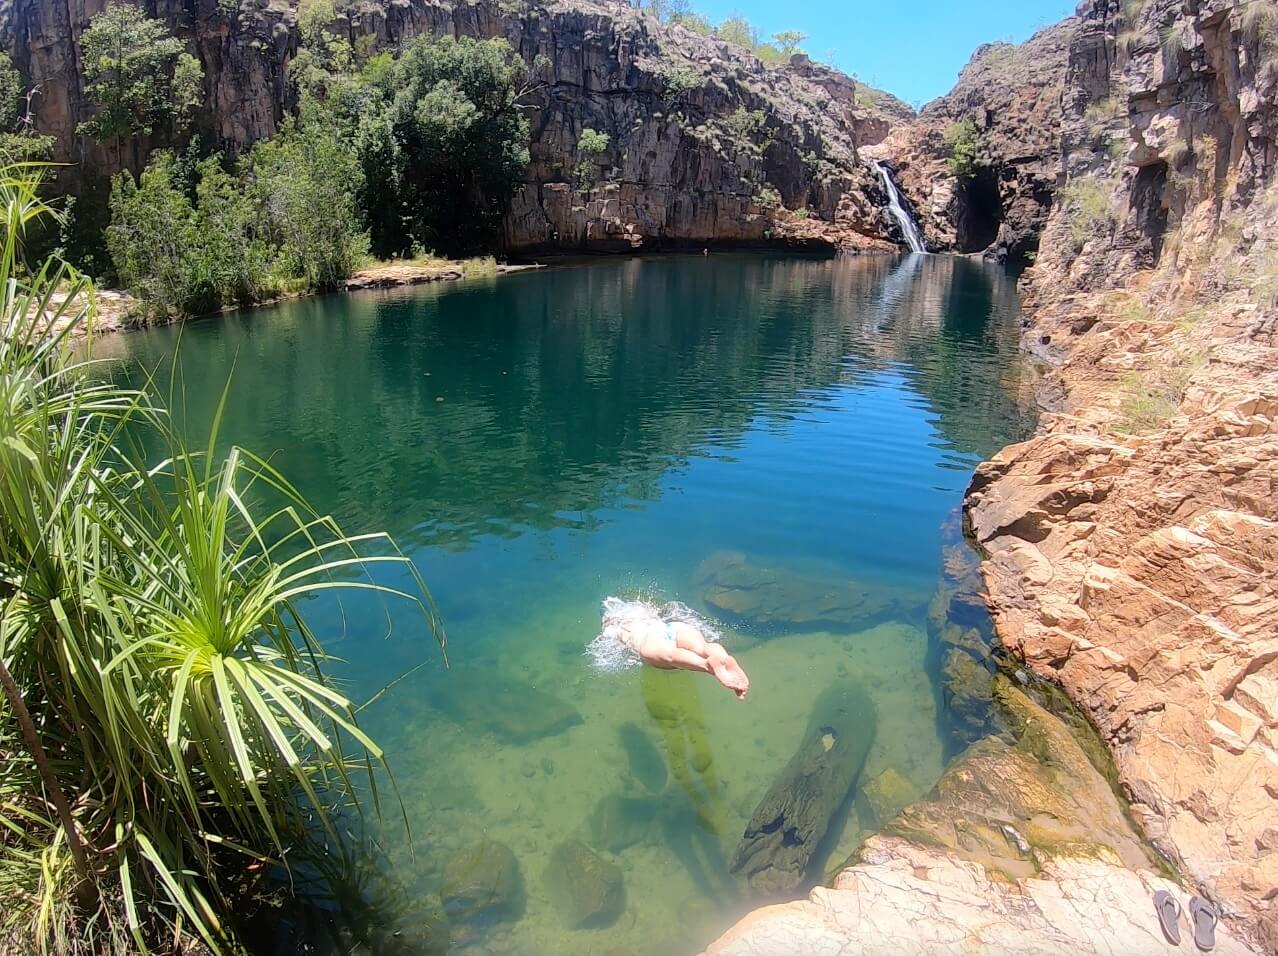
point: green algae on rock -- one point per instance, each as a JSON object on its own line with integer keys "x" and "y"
{"x": 882, "y": 798}
{"x": 1009, "y": 806}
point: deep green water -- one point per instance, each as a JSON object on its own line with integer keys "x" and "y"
{"x": 540, "y": 441}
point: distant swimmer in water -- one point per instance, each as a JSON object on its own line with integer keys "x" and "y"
{"x": 670, "y": 637}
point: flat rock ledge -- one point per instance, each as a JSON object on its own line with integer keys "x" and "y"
{"x": 907, "y": 898}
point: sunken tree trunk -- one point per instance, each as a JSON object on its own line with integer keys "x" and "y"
{"x": 790, "y": 821}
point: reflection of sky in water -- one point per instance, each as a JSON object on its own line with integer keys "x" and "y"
{"x": 540, "y": 441}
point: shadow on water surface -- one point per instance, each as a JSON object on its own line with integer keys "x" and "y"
{"x": 776, "y": 441}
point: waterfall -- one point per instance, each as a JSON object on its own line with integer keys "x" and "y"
{"x": 899, "y": 212}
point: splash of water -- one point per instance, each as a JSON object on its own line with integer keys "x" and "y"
{"x": 610, "y": 653}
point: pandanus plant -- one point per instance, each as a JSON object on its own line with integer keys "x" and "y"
{"x": 166, "y": 724}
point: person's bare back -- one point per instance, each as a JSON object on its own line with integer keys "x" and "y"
{"x": 671, "y": 645}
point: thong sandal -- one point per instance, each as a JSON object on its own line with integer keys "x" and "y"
{"x": 1168, "y": 910}
{"x": 1203, "y": 918}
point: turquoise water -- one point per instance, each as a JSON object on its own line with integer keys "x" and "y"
{"x": 779, "y": 442}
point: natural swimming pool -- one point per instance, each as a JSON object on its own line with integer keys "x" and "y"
{"x": 780, "y": 442}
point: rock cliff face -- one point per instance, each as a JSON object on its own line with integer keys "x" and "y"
{"x": 705, "y": 143}
{"x": 1133, "y": 544}
{"x": 1011, "y": 95}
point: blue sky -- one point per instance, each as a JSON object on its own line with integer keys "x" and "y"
{"x": 913, "y": 48}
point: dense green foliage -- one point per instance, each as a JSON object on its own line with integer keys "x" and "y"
{"x": 166, "y": 724}
{"x": 136, "y": 75}
{"x": 446, "y": 144}
{"x": 304, "y": 183}
{"x": 590, "y": 146}
{"x": 10, "y": 93}
{"x": 191, "y": 237}
{"x": 963, "y": 141}
{"x": 404, "y": 155}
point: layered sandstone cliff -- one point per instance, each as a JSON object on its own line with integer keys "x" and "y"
{"x": 1132, "y": 544}
{"x": 706, "y": 144}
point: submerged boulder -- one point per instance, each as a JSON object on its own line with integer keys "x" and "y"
{"x": 882, "y": 798}
{"x": 782, "y": 837}
{"x": 515, "y": 711}
{"x": 966, "y": 687}
{"x": 620, "y": 822}
{"x": 772, "y": 598}
{"x": 586, "y": 889}
{"x": 482, "y": 882}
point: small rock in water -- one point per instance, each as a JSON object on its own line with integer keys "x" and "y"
{"x": 586, "y": 889}
{"x": 482, "y": 883}
{"x": 528, "y": 770}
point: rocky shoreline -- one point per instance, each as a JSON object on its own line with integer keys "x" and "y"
{"x": 1131, "y": 545}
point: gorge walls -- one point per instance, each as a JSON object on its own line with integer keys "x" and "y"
{"x": 1131, "y": 545}
{"x": 1134, "y": 542}
{"x": 706, "y": 144}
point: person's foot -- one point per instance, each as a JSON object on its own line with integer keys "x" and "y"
{"x": 729, "y": 673}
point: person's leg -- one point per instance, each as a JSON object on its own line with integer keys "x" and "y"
{"x": 717, "y": 661}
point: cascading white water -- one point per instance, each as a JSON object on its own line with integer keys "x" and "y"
{"x": 899, "y": 212}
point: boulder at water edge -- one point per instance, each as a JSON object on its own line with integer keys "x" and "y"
{"x": 882, "y": 799}
{"x": 585, "y": 888}
{"x": 482, "y": 883}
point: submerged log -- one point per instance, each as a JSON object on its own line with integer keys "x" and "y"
{"x": 792, "y": 818}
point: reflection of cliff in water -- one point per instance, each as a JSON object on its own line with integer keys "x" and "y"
{"x": 533, "y": 401}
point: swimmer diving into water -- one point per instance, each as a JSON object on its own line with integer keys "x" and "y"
{"x": 669, "y": 637}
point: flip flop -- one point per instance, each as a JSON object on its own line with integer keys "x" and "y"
{"x": 1203, "y": 917}
{"x": 1168, "y": 911}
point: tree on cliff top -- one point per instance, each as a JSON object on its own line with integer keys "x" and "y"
{"x": 136, "y": 75}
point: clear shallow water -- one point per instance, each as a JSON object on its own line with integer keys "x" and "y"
{"x": 782, "y": 437}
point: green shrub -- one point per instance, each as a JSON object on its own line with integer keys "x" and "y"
{"x": 1153, "y": 397}
{"x": 189, "y": 241}
{"x": 1132, "y": 10}
{"x": 590, "y": 146}
{"x": 768, "y": 198}
{"x": 11, "y": 93}
{"x": 963, "y": 141}
{"x": 680, "y": 80}
{"x": 304, "y": 183}
{"x": 694, "y": 22}
{"x": 442, "y": 142}
{"x": 747, "y": 130}
{"x": 136, "y": 75}
{"x": 156, "y": 242}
